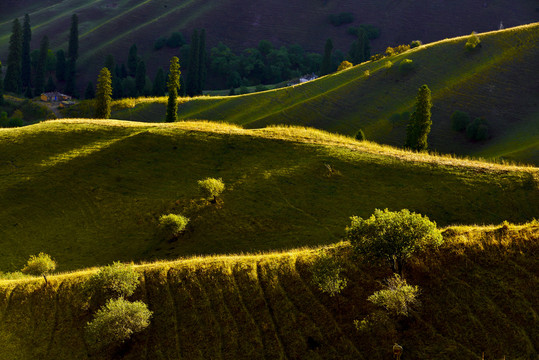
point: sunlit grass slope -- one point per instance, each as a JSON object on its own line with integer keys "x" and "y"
{"x": 497, "y": 82}
{"x": 478, "y": 295}
{"x": 89, "y": 192}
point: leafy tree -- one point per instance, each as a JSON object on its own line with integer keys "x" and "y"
{"x": 73, "y": 47}
{"x": 89, "y": 93}
{"x": 406, "y": 66}
{"x": 392, "y": 236}
{"x": 13, "y": 80}
{"x": 325, "y": 68}
{"x": 116, "y": 322}
{"x": 159, "y": 84}
{"x": 172, "y": 225}
{"x": 460, "y": 120}
{"x": 116, "y": 280}
{"x": 60, "y": 65}
{"x": 415, "y": 43}
{"x": 194, "y": 70}
{"x": 1, "y": 86}
{"x": 360, "y": 135}
{"x": 103, "y": 94}
{"x": 344, "y": 65}
{"x": 360, "y": 50}
{"x": 50, "y": 85}
{"x": 175, "y": 40}
{"x": 211, "y": 188}
{"x": 173, "y": 84}
{"x": 398, "y": 298}
{"x": 160, "y": 43}
{"x": 420, "y": 122}
{"x": 473, "y": 42}
{"x": 40, "y": 70}
{"x": 477, "y": 130}
{"x": 39, "y": 265}
{"x": 327, "y": 277}
{"x": 132, "y": 60}
{"x": 140, "y": 78}
{"x": 26, "y": 70}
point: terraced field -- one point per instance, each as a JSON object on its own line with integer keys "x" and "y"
{"x": 478, "y": 295}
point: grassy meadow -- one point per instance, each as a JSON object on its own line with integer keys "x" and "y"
{"x": 496, "y": 82}
{"x": 478, "y": 295}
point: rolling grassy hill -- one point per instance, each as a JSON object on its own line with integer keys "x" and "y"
{"x": 498, "y": 82}
{"x": 90, "y": 192}
{"x": 478, "y": 296}
{"x": 112, "y": 26}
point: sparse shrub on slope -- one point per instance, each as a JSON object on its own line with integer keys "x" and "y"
{"x": 327, "y": 274}
{"x": 393, "y": 236}
{"x": 398, "y": 297}
{"x": 473, "y": 42}
{"x": 211, "y": 188}
{"x": 344, "y": 65}
{"x": 116, "y": 280}
{"x": 39, "y": 265}
{"x": 116, "y": 322}
{"x": 172, "y": 225}
{"x": 406, "y": 66}
{"x": 460, "y": 120}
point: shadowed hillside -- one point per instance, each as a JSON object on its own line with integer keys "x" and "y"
{"x": 90, "y": 192}
{"x": 112, "y": 26}
{"x": 478, "y": 294}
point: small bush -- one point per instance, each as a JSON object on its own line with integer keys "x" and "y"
{"x": 460, "y": 120}
{"x": 175, "y": 40}
{"x": 173, "y": 225}
{"x": 388, "y": 64}
{"x": 415, "y": 43}
{"x": 360, "y": 135}
{"x": 406, "y": 66}
{"x": 116, "y": 322}
{"x": 342, "y": 18}
{"x": 114, "y": 280}
{"x": 392, "y": 236}
{"x": 477, "y": 130}
{"x": 397, "y": 298}
{"x": 344, "y": 65}
{"x": 211, "y": 188}
{"x": 327, "y": 274}
{"x": 160, "y": 43}
{"x": 473, "y": 42}
{"x": 39, "y": 265}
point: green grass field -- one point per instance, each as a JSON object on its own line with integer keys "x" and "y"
{"x": 90, "y": 192}
{"x": 478, "y": 295}
{"x": 496, "y": 82}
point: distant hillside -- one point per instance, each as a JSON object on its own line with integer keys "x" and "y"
{"x": 478, "y": 297}
{"x": 498, "y": 82}
{"x": 90, "y": 192}
{"x": 112, "y": 26}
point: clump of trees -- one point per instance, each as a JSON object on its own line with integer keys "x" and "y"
{"x": 211, "y": 188}
{"x": 39, "y": 265}
{"x": 392, "y": 236}
{"x": 476, "y": 130}
{"x": 420, "y": 121}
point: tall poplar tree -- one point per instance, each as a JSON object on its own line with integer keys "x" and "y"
{"x": 26, "y": 71}
{"x": 201, "y": 62}
{"x": 158, "y": 88}
{"x": 194, "y": 70}
{"x": 1, "y": 86}
{"x": 40, "y": 69}
{"x": 140, "y": 78}
{"x": 420, "y": 122}
{"x": 73, "y": 54}
{"x": 13, "y": 80}
{"x": 103, "y": 94}
{"x": 173, "y": 84}
{"x": 70, "y": 77}
{"x": 325, "y": 68}
{"x": 132, "y": 60}
{"x": 60, "y": 65}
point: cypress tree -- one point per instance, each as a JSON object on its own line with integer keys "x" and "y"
{"x": 1, "y": 86}
{"x": 13, "y": 80}
{"x": 70, "y": 78}
{"x": 25, "y": 61}
{"x": 360, "y": 50}
{"x": 158, "y": 88}
{"x": 109, "y": 64}
{"x": 132, "y": 60}
{"x": 73, "y": 48}
{"x": 194, "y": 72}
{"x": 117, "y": 88}
{"x": 140, "y": 78}
{"x": 325, "y": 68}
{"x": 103, "y": 94}
{"x": 50, "y": 85}
{"x": 201, "y": 62}
{"x": 40, "y": 70}
{"x": 173, "y": 84}
{"x": 60, "y": 65}
{"x": 90, "y": 92}
{"x": 182, "y": 92}
{"x": 420, "y": 122}
{"x": 28, "y": 93}
{"x": 123, "y": 71}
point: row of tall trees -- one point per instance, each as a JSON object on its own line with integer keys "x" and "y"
{"x": 26, "y": 75}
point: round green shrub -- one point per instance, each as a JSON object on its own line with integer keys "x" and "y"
{"x": 116, "y": 322}
{"x": 114, "y": 280}
{"x": 477, "y": 130}
{"x": 459, "y": 120}
{"x": 473, "y": 42}
{"x": 415, "y": 43}
{"x": 211, "y": 188}
{"x": 160, "y": 43}
{"x": 392, "y": 236}
{"x": 172, "y": 224}
{"x": 406, "y": 66}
